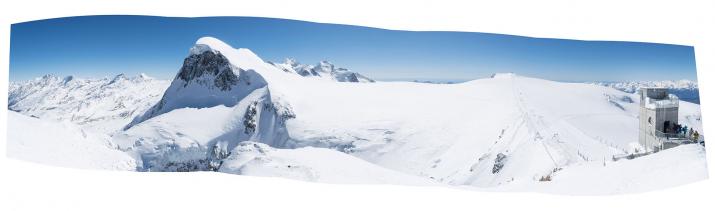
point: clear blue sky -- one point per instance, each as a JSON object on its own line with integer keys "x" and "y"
{"x": 98, "y": 46}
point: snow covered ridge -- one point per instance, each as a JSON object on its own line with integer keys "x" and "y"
{"x": 685, "y": 89}
{"x": 229, "y": 111}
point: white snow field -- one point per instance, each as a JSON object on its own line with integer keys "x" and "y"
{"x": 62, "y": 144}
{"x": 311, "y": 164}
{"x": 229, "y": 111}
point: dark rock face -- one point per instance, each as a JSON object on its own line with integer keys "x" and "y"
{"x": 250, "y": 118}
{"x": 282, "y": 113}
{"x": 226, "y": 79}
{"x": 303, "y": 72}
{"x": 499, "y": 163}
{"x": 215, "y": 64}
{"x": 172, "y": 158}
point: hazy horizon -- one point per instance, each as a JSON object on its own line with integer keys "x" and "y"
{"x": 104, "y": 46}
{"x": 377, "y": 79}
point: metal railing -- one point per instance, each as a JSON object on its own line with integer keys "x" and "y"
{"x": 630, "y": 156}
{"x": 669, "y": 140}
{"x": 676, "y": 136}
{"x": 679, "y": 136}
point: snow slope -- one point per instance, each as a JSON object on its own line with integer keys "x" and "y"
{"x": 191, "y": 138}
{"x": 677, "y": 166}
{"x": 311, "y": 164}
{"x": 227, "y": 110}
{"x": 62, "y": 144}
{"x": 484, "y": 133}
{"x": 455, "y": 132}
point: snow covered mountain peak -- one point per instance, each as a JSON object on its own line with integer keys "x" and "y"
{"x": 213, "y": 73}
{"x": 241, "y": 57}
{"x": 210, "y": 43}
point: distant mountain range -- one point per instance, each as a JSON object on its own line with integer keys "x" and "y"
{"x": 686, "y": 90}
{"x": 106, "y": 102}
{"x": 322, "y": 70}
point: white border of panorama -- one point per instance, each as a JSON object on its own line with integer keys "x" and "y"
{"x": 75, "y": 189}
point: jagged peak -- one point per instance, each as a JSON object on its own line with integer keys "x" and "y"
{"x": 120, "y": 76}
